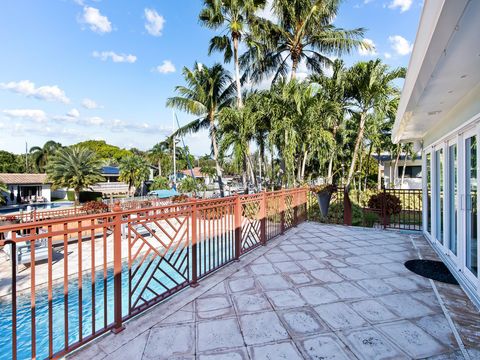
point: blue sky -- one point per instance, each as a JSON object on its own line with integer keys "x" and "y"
{"x": 73, "y": 70}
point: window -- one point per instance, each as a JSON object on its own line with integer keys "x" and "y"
{"x": 410, "y": 171}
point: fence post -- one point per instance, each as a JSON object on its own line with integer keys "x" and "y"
{"x": 117, "y": 268}
{"x": 13, "y": 251}
{"x": 238, "y": 227}
{"x": 194, "y": 282}
{"x": 282, "y": 211}
{"x": 263, "y": 219}
{"x": 295, "y": 207}
{"x": 384, "y": 209}
{"x": 347, "y": 207}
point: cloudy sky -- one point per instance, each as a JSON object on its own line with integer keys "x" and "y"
{"x": 73, "y": 70}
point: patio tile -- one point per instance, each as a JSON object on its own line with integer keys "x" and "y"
{"x": 262, "y": 328}
{"x": 405, "y": 306}
{"x": 369, "y": 344}
{"x": 319, "y": 254}
{"x": 218, "y": 289}
{"x": 273, "y": 282}
{"x": 263, "y": 269}
{"x": 336, "y": 263}
{"x": 357, "y": 260}
{"x": 412, "y": 339}
{"x": 325, "y": 347}
{"x": 232, "y": 354}
{"x": 346, "y": 290}
{"x": 376, "y": 271}
{"x": 373, "y": 311}
{"x": 284, "y": 350}
{"x": 351, "y": 273}
{"x": 247, "y": 303}
{"x": 299, "y": 255}
{"x": 184, "y": 315}
{"x": 277, "y": 257}
{"x": 402, "y": 283}
{"x": 285, "y": 299}
{"x": 287, "y": 267}
{"x": 317, "y": 295}
{"x": 242, "y": 284}
{"x": 299, "y": 279}
{"x": 339, "y": 316}
{"x": 168, "y": 341}
{"x": 311, "y": 264}
{"x": 302, "y": 322}
{"x": 213, "y": 307}
{"x": 437, "y": 326}
{"x": 218, "y": 334}
{"x": 308, "y": 247}
{"x": 376, "y": 287}
{"x": 326, "y": 275}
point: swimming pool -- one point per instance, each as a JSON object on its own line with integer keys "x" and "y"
{"x": 52, "y": 205}
{"x": 102, "y": 288}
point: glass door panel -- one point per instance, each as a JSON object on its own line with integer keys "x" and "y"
{"x": 439, "y": 183}
{"x": 452, "y": 197}
{"x": 429, "y": 193}
{"x": 471, "y": 232}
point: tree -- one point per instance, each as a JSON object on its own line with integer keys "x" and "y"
{"x": 134, "y": 171}
{"x": 110, "y": 153}
{"x": 74, "y": 167}
{"x": 208, "y": 90}
{"x": 159, "y": 154}
{"x": 371, "y": 88}
{"x": 3, "y": 190}
{"x": 190, "y": 185}
{"x": 41, "y": 154}
{"x": 233, "y": 15}
{"x": 160, "y": 183}
{"x": 304, "y": 31}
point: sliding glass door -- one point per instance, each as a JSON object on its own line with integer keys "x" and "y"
{"x": 428, "y": 189}
{"x": 439, "y": 195}
{"x": 452, "y": 198}
{"x": 471, "y": 223}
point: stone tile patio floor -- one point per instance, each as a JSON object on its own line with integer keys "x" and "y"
{"x": 317, "y": 292}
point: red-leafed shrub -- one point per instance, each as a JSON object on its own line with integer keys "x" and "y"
{"x": 389, "y": 202}
{"x": 94, "y": 207}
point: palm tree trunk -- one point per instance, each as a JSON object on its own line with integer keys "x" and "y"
{"x": 213, "y": 135}
{"x": 237, "y": 72}
{"x": 77, "y": 196}
{"x": 304, "y": 164}
{"x": 368, "y": 165}
{"x": 351, "y": 171}
{"x": 403, "y": 170}
{"x": 379, "y": 176}
{"x": 360, "y": 168}
{"x": 159, "y": 167}
{"x": 395, "y": 170}
{"x": 244, "y": 174}
{"x": 293, "y": 75}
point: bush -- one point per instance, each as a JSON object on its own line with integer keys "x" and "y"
{"x": 335, "y": 214}
{"x": 86, "y": 196}
{"x": 180, "y": 199}
{"x": 71, "y": 195}
{"x": 370, "y": 218}
{"x": 160, "y": 183}
{"x": 95, "y": 207}
{"x": 391, "y": 203}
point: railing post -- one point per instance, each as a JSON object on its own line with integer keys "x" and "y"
{"x": 13, "y": 252}
{"x": 282, "y": 211}
{"x": 194, "y": 282}
{"x": 263, "y": 219}
{"x": 238, "y": 227}
{"x": 384, "y": 209}
{"x": 117, "y": 268}
{"x": 295, "y": 207}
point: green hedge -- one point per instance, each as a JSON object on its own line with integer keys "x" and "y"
{"x": 85, "y": 196}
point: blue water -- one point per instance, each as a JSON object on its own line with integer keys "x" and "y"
{"x": 17, "y": 208}
{"x": 205, "y": 262}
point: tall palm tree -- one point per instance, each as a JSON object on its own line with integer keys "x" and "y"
{"x": 371, "y": 89}
{"x": 208, "y": 90}
{"x": 3, "y": 189}
{"x": 304, "y": 31}
{"x": 41, "y": 154}
{"x": 74, "y": 167}
{"x": 158, "y": 154}
{"x": 233, "y": 16}
{"x": 134, "y": 171}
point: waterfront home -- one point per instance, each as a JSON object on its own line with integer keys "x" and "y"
{"x": 26, "y": 188}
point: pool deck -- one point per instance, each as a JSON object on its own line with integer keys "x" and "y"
{"x": 316, "y": 292}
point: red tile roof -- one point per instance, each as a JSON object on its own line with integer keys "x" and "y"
{"x": 13, "y": 179}
{"x": 196, "y": 172}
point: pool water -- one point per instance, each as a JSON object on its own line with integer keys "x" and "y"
{"x": 16, "y": 208}
{"x": 163, "y": 272}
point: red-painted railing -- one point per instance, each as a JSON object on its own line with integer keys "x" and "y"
{"x": 88, "y": 274}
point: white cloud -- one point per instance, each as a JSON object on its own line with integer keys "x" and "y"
{"x": 154, "y": 23}
{"x": 166, "y": 67}
{"x": 96, "y": 120}
{"x": 404, "y": 5}
{"x": 387, "y": 55}
{"x": 365, "y": 52}
{"x": 401, "y": 45}
{"x": 27, "y": 88}
{"x": 74, "y": 113}
{"x": 29, "y": 114}
{"x": 96, "y": 21}
{"x": 116, "y": 58}
{"x": 90, "y": 104}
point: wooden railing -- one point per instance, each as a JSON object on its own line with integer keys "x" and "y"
{"x": 88, "y": 274}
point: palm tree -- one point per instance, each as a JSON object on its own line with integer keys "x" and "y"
{"x": 3, "y": 189}
{"x": 74, "y": 167}
{"x": 303, "y": 32}
{"x": 371, "y": 89}
{"x": 233, "y": 15}
{"x": 159, "y": 154}
{"x": 134, "y": 171}
{"x": 207, "y": 92}
{"x": 41, "y": 154}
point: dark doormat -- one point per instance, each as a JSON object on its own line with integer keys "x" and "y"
{"x": 435, "y": 270}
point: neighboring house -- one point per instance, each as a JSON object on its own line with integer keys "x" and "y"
{"x": 111, "y": 185}
{"x": 440, "y": 112}
{"x": 27, "y": 187}
{"x": 196, "y": 173}
{"x": 393, "y": 175}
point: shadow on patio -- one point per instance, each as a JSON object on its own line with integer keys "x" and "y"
{"x": 316, "y": 292}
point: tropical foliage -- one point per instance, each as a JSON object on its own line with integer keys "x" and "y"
{"x": 134, "y": 171}
{"x": 159, "y": 183}
{"x": 41, "y": 154}
{"x": 74, "y": 167}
